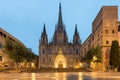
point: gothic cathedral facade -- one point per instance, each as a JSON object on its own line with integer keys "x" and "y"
{"x": 59, "y": 53}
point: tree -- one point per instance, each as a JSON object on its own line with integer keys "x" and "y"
{"x": 97, "y": 52}
{"x": 18, "y": 52}
{"x": 114, "y": 54}
{"x": 89, "y": 55}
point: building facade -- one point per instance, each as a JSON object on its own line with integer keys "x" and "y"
{"x": 5, "y": 61}
{"x": 104, "y": 31}
{"x": 59, "y": 53}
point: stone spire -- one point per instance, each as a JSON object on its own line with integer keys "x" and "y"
{"x": 44, "y": 30}
{"x": 60, "y": 35}
{"x": 76, "y": 37}
{"x": 60, "y": 25}
{"x": 60, "y": 22}
{"x": 76, "y": 31}
{"x": 44, "y": 39}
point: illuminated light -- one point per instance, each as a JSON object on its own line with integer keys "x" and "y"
{"x": 33, "y": 76}
{"x": 64, "y": 66}
{"x": 80, "y": 76}
{"x": 76, "y": 65}
{"x": 32, "y": 65}
{"x": 56, "y": 66}
{"x": 80, "y": 64}
{"x": 64, "y": 75}
{"x": 60, "y": 61}
{"x": 94, "y": 58}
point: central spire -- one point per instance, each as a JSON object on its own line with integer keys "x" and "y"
{"x": 60, "y": 15}
{"x": 76, "y": 31}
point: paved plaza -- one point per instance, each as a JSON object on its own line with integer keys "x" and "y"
{"x": 61, "y": 76}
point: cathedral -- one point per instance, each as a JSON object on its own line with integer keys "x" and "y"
{"x": 59, "y": 52}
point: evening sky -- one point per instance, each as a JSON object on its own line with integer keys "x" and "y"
{"x": 24, "y": 19}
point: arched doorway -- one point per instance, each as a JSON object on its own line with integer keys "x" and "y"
{"x": 60, "y": 61}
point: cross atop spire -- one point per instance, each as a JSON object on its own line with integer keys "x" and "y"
{"x": 60, "y": 15}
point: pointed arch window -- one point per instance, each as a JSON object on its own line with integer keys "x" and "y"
{"x": 77, "y": 51}
{"x": 43, "y": 51}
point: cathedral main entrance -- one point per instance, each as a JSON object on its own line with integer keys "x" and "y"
{"x": 60, "y": 64}
{"x": 60, "y": 60}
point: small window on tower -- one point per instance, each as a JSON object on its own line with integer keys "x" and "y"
{"x": 106, "y": 31}
{"x": 113, "y": 31}
{"x": 107, "y": 42}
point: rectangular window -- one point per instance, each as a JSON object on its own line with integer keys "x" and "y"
{"x": 107, "y": 42}
{"x": 106, "y": 31}
{"x": 113, "y": 31}
{"x": 0, "y": 58}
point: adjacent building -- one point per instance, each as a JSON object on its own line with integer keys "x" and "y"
{"x": 105, "y": 29}
{"x": 5, "y": 61}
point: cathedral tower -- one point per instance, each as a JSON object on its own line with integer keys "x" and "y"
{"x": 44, "y": 39}
{"x": 76, "y": 37}
{"x": 60, "y": 36}
{"x": 43, "y": 47}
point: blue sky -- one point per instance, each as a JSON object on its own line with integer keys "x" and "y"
{"x": 24, "y": 19}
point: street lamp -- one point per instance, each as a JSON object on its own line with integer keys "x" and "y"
{"x": 80, "y": 64}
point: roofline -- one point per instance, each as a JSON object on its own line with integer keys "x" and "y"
{"x": 87, "y": 38}
{"x": 5, "y": 32}
{"x": 100, "y": 11}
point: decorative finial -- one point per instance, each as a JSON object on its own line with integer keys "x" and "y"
{"x": 60, "y": 4}
{"x": 76, "y": 32}
{"x": 44, "y": 30}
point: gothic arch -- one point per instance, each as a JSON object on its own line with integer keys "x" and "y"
{"x": 60, "y": 61}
